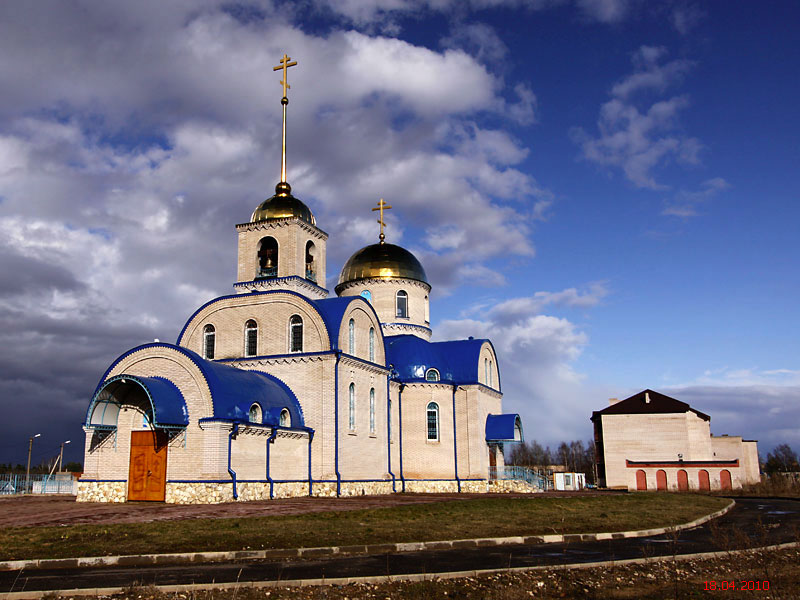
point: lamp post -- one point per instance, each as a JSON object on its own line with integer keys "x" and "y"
{"x": 28, "y": 470}
{"x": 61, "y": 455}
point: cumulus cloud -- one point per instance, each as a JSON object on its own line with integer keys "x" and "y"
{"x": 639, "y": 140}
{"x": 686, "y": 203}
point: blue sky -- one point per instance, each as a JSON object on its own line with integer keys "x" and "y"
{"x": 606, "y": 188}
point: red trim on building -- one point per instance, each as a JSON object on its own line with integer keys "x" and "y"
{"x": 635, "y": 464}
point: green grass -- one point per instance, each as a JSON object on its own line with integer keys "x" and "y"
{"x": 458, "y": 519}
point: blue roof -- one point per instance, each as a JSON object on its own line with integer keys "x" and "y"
{"x": 456, "y": 361}
{"x": 233, "y": 391}
{"x": 332, "y": 311}
{"x": 501, "y": 428}
{"x": 166, "y": 400}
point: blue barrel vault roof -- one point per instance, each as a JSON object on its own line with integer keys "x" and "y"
{"x": 502, "y": 428}
{"x": 168, "y": 407}
{"x": 233, "y": 391}
{"x": 456, "y": 361}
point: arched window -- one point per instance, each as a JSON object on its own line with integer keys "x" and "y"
{"x": 255, "y": 413}
{"x": 402, "y": 304}
{"x": 352, "y": 407}
{"x": 372, "y": 344}
{"x": 431, "y": 375}
{"x": 250, "y": 338}
{"x": 433, "y": 422}
{"x": 311, "y": 267}
{"x": 427, "y": 310}
{"x": 296, "y": 334}
{"x": 372, "y": 410}
{"x": 351, "y": 347}
{"x": 285, "y": 420}
{"x": 267, "y": 258}
{"x": 209, "y": 339}
{"x": 367, "y": 294}
{"x": 486, "y": 371}
{"x": 491, "y": 372}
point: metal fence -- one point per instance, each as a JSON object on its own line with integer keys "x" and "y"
{"x": 520, "y": 474}
{"x": 59, "y": 483}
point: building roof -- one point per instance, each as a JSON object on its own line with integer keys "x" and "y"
{"x": 167, "y": 405}
{"x": 503, "y": 428}
{"x": 381, "y": 261}
{"x": 456, "y": 361}
{"x": 282, "y": 206}
{"x": 233, "y": 391}
{"x": 648, "y": 402}
{"x": 332, "y": 311}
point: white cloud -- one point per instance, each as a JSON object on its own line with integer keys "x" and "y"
{"x": 605, "y": 11}
{"x": 686, "y": 204}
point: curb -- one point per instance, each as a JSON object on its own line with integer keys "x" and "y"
{"x": 378, "y": 579}
{"x": 135, "y": 560}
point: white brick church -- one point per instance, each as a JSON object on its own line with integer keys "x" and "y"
{"x": 278, "y": 390}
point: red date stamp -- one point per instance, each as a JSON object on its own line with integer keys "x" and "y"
{"x": 732, "y": 584}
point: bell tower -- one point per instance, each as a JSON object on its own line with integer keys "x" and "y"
{"x": 282, "y": 247}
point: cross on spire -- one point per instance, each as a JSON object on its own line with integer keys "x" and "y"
{"x": 285, "y": 64}
{"x": 381, "y": 207}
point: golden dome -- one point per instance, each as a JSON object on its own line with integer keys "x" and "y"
{"x": 282, "y": 206}
{"x": 381, "y": 261}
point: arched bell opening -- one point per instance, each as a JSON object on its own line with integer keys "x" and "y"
{"x": 267, "y": 258}
{"x": 311, "y": 264}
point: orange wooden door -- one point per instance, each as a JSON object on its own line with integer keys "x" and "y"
{"x": 683, "y": 481}
{"x": 661, "y": 480}
{"x": 147, "y": 476}
{"x": 725, "y": 479}
{"x": 641, "y": 480}
{"x": 703, "y": 480}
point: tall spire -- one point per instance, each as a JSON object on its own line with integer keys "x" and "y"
{"x": 381, "y": 207}
{"x": 283, "y": 187}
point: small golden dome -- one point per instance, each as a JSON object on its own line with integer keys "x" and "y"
{"x": 381, "y": 261}
{"x": 282, "y": 206}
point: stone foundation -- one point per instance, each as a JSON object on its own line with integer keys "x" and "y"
{"x": 102, "y": 491}
{"x": 214, "y": 493}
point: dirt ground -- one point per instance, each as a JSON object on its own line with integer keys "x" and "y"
{"x": 53, "y": 510}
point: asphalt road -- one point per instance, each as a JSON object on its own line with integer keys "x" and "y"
{"x": 752, "y": 522}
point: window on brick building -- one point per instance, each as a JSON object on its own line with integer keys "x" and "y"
{"x": 351, "y": 347}
{"x": 250, "y": 338}
{"x": 209, "y": 341}
{"x": 296, "y": 334}
{"x": 433, "y": 422}
{"x": 402, "y": 304}
{"x": 285, "y": 419}
{"x": 431, "y": 375}
{"x": 352, "y": 407}
{"x": 255, "y": 413}
{"x": 372, "y": 410}
{"x": 372, "y": 344}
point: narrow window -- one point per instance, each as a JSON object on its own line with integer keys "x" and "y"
{"x": 372, "y": 344}
{"x": 431, "y": 375}
{"x": 296, "y": 334}
{"x": 427, "y": 310}
{"x": 352, "y": 407}
{"x": 352, "y": 345}
{"x": 250, "y": 338}
{"x": 267, "y": 258}
{"x": 285, "y": 419}
{"x": 372, "y": 410}
{"x": 433, "y": 422}
{"x": 486, "y": 371}
{"x": 255, "y": 413}
{"x": 209, "y": 336}
{"x": 389, "y": 418}
{"x": 491, "y": 371}
{"x": 311, "y": 267}
{"x": 402, "y": 304}
{"x": 367, "y": 294}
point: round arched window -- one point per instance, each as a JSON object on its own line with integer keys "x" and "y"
{"x": 255, "y": 413}
{"x": 285, "y": 418}
{"x": 431, "y": 375}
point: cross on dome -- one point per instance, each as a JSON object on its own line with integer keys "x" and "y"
{"x": 381, "y": 207}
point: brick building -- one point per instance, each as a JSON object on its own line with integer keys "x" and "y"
{"x": 653, "y": 442}
{"x": 277, "y": 390}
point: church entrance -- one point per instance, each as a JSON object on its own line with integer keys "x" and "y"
{"x": 147, "y": 477}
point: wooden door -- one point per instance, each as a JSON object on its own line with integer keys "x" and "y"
{"x": 703, "y": 480}
{"x": 492, "y": 462}
{"x": 683, "y": 481}
{"x": 147, "y": 476}
{"x": 661, "y": 480}
{"x": 641, "y": 481}
{"x": 725, "y": 479}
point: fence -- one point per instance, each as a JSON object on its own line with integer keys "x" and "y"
{"x": 520, "y": 474}
{"x": 59, "y": 483}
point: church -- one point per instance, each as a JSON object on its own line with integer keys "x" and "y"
{"x": 279, "y": 390}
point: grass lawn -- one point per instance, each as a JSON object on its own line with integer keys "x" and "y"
{"x": 458, "y": 519}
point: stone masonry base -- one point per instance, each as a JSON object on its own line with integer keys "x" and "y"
{"x": 214, "y": 493}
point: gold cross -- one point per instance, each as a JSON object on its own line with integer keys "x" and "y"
{"x": 381, "y": 207}
{"x": 285, "y": 64}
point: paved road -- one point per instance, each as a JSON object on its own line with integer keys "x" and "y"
{"x": 753, "y": 522}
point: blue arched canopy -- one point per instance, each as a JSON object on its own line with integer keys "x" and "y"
{"x": 158, "y": 398}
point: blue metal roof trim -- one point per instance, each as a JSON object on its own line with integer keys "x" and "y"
{"x": 500, "y": 428}
{"x": 248, "y": 295}
{"x": 456, "y": 361}
{"x": 233, "y": 390}
{"x": 166, "y": 400}
{"x": 332, "y": 312}
{"x": 281, "y": 279}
